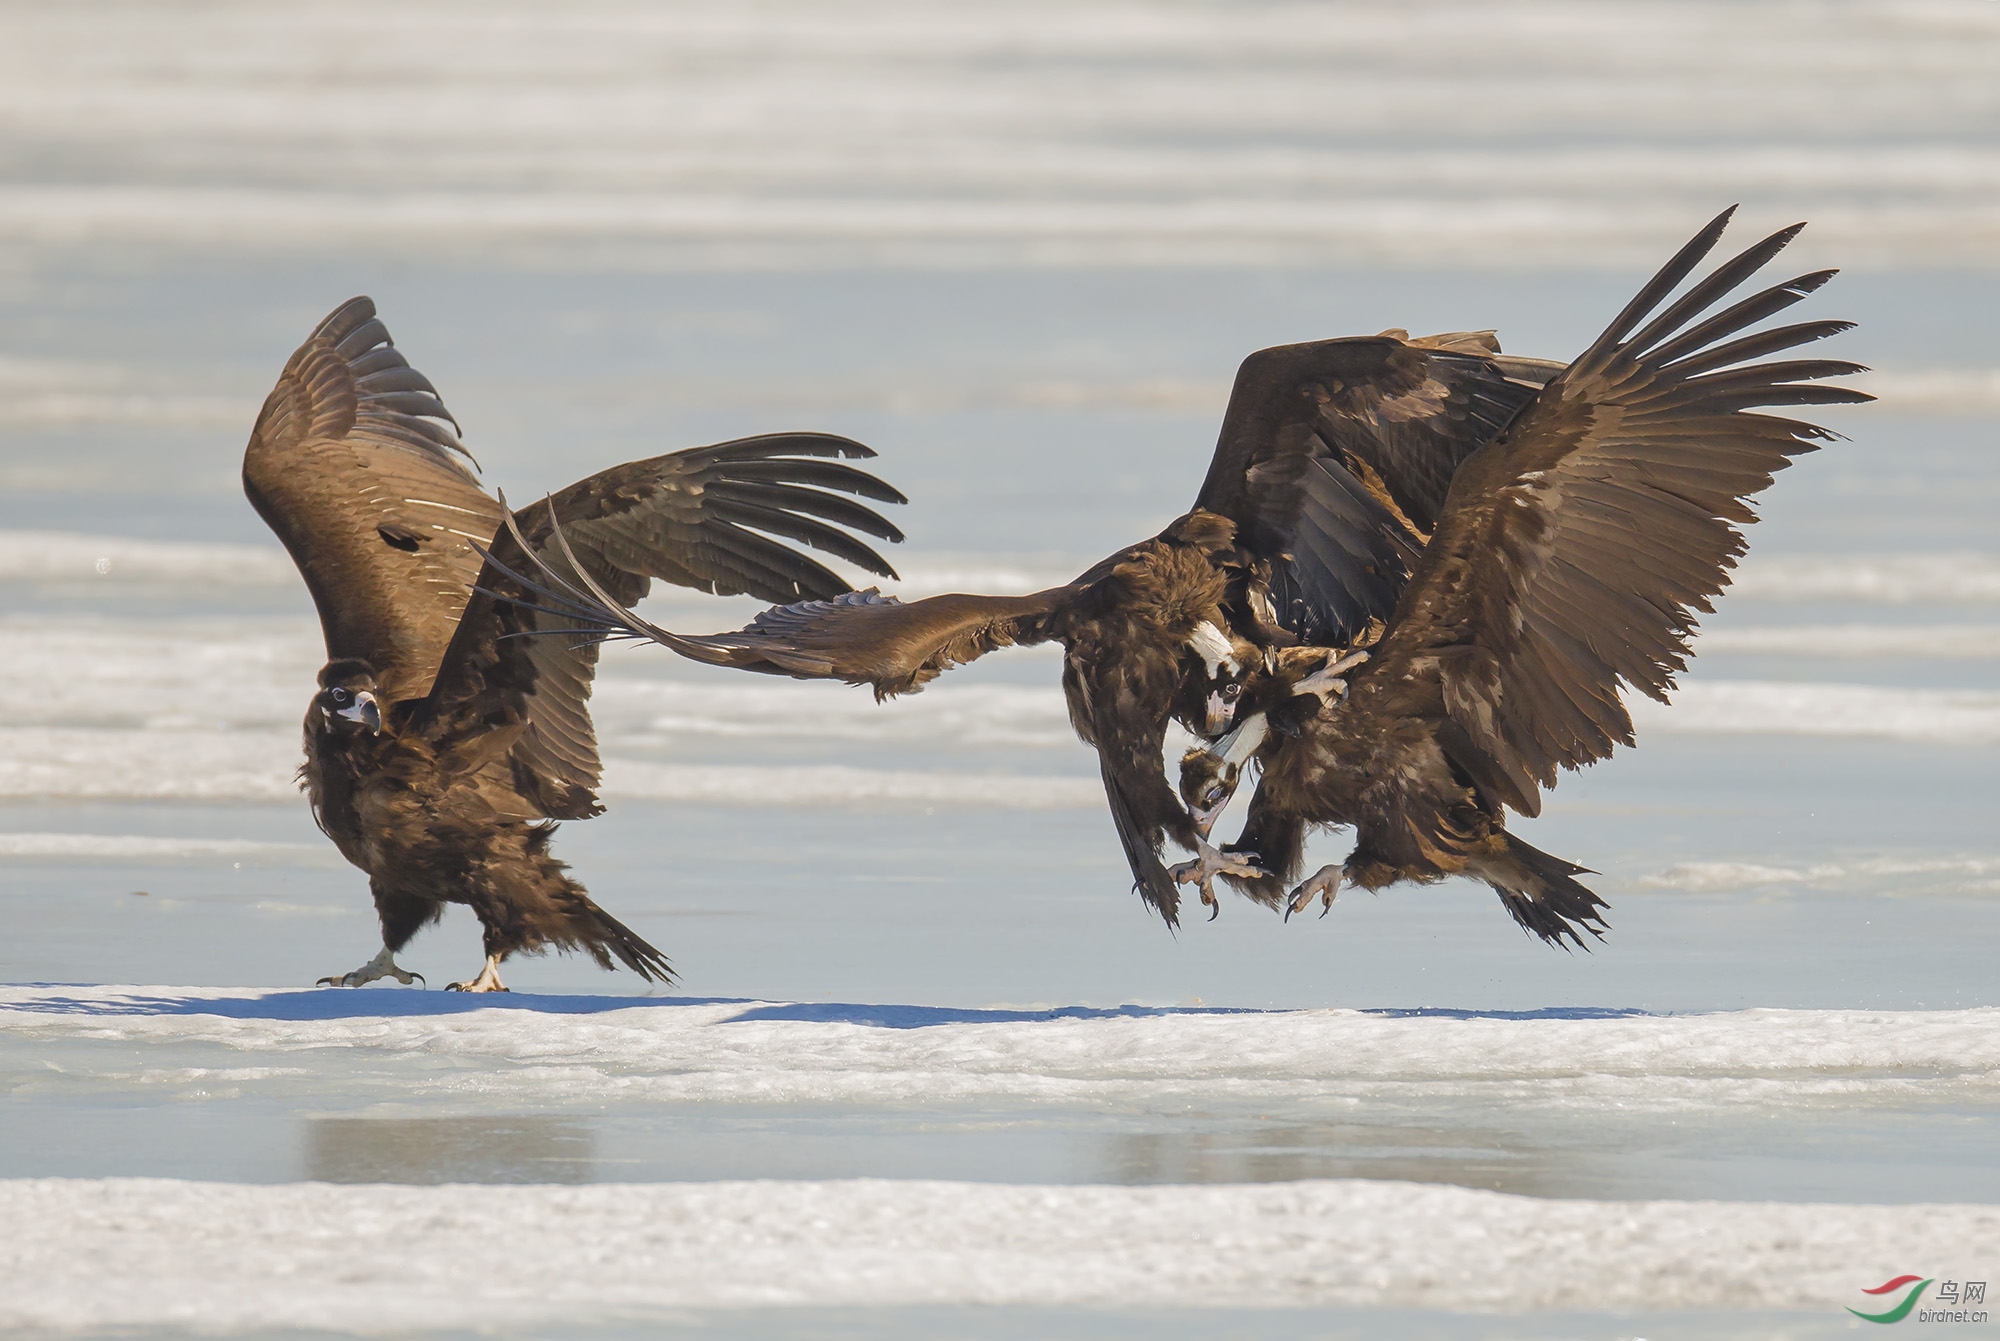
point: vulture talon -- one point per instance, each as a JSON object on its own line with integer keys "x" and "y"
{"x": 1325, "y": 883}
{"x": 383, "y": 965}
{"x": 1210, "y": 862}
{"x": 487, "y": 981}
{"x": 1326, "y": 683}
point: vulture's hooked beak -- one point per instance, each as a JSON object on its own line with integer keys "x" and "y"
{"x": 364, "y": 711}
{"x": 1219, "y": 713}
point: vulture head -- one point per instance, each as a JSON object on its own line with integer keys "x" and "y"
{"x": 1212, "y": 770}
{"x": 346, "y": 699}
{"x": 1226, "y": 662}
{"x": 1207, "y": 783}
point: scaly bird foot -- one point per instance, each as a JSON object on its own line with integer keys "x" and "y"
{"x": 487, "y": 981}
{"x": 1325, "y": 683}
{"x": 382, "y": 965}
{"x": 1325, "y": 883}
{"x": 1210, "y": 862}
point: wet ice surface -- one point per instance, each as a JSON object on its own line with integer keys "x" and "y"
{"x": 378, "y": 1086}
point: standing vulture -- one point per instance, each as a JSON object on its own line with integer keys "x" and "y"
{"x": 1567, "y": 564}
{"x": 1333, "y": 462}
{"x": 442, "y": 744}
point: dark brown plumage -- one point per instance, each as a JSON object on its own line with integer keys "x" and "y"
{"x": 1331, "y": 465}
{"x": 1569, "y": 559}
{"x": 444, "y": 740}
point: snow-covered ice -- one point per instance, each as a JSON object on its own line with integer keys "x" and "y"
{"x": 135, "y": 1252}
{"x": 349, "y": 1251}
{"x": 571, "y": 1051}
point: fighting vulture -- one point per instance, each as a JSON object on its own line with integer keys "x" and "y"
{"x": 444, "y": 742}
{"x": 1333, "y": 461}
{"x": 1567, "y": 565}
{"x": 1500, "y": 546}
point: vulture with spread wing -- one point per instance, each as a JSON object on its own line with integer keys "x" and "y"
{"x": 444, "y": 741}
{"x": 1332, "y": 466}
{"x": 1567, "y": 563}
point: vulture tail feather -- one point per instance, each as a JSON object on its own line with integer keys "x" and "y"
{"x": 1540, "y": 891}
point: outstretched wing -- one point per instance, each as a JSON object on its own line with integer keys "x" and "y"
{"x": 355, "y": 464}
{"x": 860, "y": 637}
{"x": 702, "y": 518}
{"x": 1335, "y": 456}
{"x": 1573, "y": 553}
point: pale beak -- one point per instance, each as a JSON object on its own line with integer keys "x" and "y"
{"x": 365, "y": 711}
{"x": 1221, "y": 712}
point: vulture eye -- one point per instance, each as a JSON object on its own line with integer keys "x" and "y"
{"x": 337, "y": 695}
{"x": 1232, "y": 690}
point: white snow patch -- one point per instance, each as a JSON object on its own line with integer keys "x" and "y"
{"x": 535, "y": 1050}
{"x": 1763, "y": 707}
{"x": 1858, "y": 642}
{"x": 1706, "y": 876}
{"x": 965, "y": 714}
{"x": 53, "y": 556}
{"x": 1893, "y": 579}
{"x": 38, "y": 391}
{"x": 829, "y": 230}
{"x": 1930, "y": 874}
{"x": 146, "y": 765}
{"x": 789, "y": 134}
{"x": 194, "y": 765}
{"x": 217, "y": 673}
{"x": 45, "y": 556}
{"x": 141, "y": 847}
{"x": 1946, "y": 391}
{"x": 91, "y": 1254}
{"x": 836, "y": 784}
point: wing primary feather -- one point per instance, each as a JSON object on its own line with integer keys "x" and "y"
{"x": 1662, "y": 284}
{"x": 1756, "y": 346}
{"x": 345, "y": 319}
{"x": 785, "y": 444}
{"x": 816, "y": 534}
{"x": 1719, "y": 281}
{"x": 823, "y": 473}
{"x": 362, "y": 338}
{"x": 811, "y": 502}
{"x": 1732, "y": 319}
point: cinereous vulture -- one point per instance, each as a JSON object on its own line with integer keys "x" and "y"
{"x": 1566, "y": 567}
{"x": 441, "y": 744}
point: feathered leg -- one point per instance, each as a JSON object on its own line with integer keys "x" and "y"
{"x": 402, "y": 916}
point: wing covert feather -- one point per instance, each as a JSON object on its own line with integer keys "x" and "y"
{"x": 1334, "y": 459}
{"x": 354, "y": 463}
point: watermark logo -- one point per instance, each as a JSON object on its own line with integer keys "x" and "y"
{"x": 1901, "y": 1310}
{"x": 1961, "y": 1298}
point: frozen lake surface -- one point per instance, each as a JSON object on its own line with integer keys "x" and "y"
{"x": 929, "y": 1069}
{"x": 248, "y": 1160}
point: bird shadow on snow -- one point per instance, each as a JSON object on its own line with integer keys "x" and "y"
{"x": 338, "y": 1004}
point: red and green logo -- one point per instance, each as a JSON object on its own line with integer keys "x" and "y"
{"x": 1900, "y": 1311}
